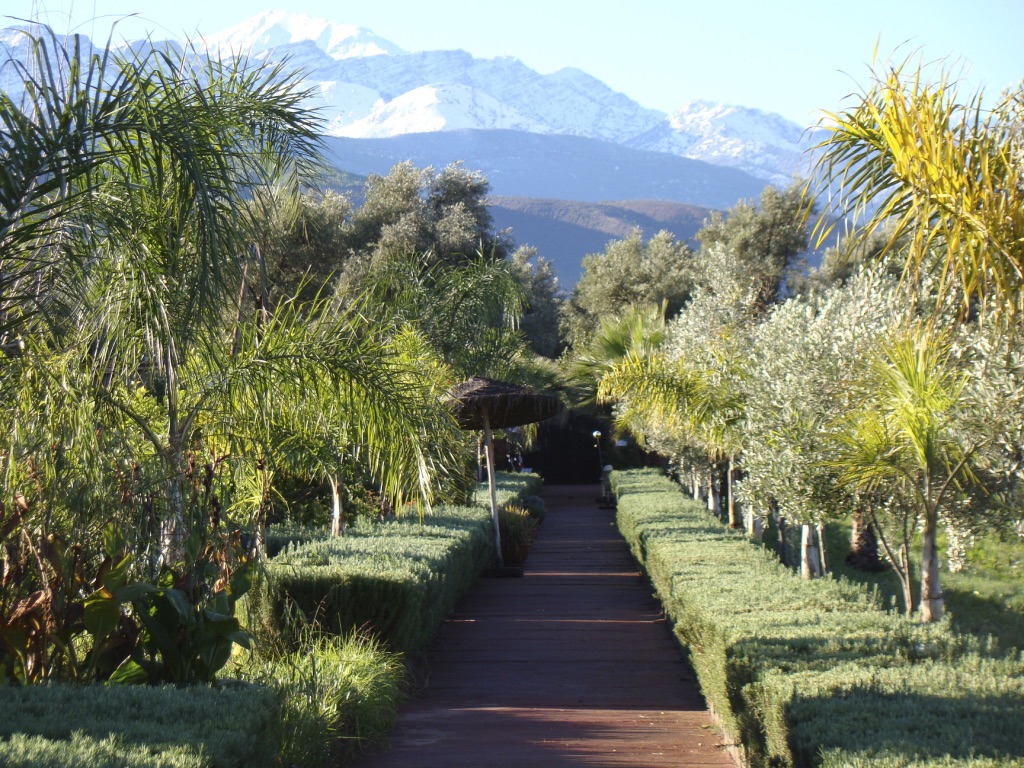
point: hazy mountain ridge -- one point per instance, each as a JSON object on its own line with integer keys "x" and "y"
{"x": 563, "y": 231}
{"x": 520, "y": 164}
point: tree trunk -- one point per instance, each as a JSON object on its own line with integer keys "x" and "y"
{"x": 714, "y": 504}
{"x": 824, "y": 548}
{"x": 809, "y": 562}
{"x": 755, "y": 526}
{"x": 337, "y": 512}
{"x": 735, "y": 517}
{"x": 863, "y": 553}
{"x": 489, "y": 455}
{"x": 782, "y": 526}
{"x": 931, "y": 591}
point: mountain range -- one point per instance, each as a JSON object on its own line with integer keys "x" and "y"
{"x": 368, "y": 87}
{"x": 559, "y": 136}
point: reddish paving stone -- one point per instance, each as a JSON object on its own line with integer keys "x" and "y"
{"x": 571, "y": 665}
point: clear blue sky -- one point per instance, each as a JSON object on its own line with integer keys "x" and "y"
{"x": 795, "y": 57}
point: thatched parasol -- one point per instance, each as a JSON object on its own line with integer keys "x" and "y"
{"x": 481, "y": 403}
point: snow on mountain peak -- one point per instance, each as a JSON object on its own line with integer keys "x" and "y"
{"x": 439, "y": 107}
{"x": 273, "y": 29}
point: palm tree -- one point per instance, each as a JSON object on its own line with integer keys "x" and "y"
{"x": 135, "y": 260}
{"x": 903, "y": 443}
{"x": 944, "y": 175}
{"x": 640, "y": 328}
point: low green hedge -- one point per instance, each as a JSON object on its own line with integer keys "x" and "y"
{"x": 397, "y": 579}
{"x": 816, "y": 673}
{"x": 138, "y": 726}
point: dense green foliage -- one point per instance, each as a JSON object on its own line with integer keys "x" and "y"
{"x": 224, "y": 727}
{"x": 338, "y": 694}
{"x": 629, "y": 271}
{"x": 816, "y": 673}
{"x": 397, "y": 579}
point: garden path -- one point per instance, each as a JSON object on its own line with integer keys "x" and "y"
{"x": 571, "y": 665}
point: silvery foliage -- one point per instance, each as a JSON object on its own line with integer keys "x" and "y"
{"x": 991, "y": 353}
{"x": 712, "y": 337}
{"x": 807, "y": 357}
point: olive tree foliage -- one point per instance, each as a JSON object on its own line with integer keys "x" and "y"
{"x": 629, "y": 271}
{"x": 763, "y": 240}
{"x": 806, "y": 355}
{"x": 544, "y": 299}
{"x": 419, "y": 210}
{"x": 304, "y": 240}
{"x": 685, "y": 398}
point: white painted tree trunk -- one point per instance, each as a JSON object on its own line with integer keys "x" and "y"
{"x": 754, "y": 526}
{"x": 714, "y": 497}
{"x": 823, "y": 549}
{"x": 931, "y": 591}
{"x": 337, "y": 513}
{"x": 809, "y": 563}
{"x": 735, "y": 516}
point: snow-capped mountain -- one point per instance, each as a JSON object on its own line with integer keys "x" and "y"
{"x": 366, "y": 87}
{"x": 763, "y": 144}
{"x": 273, "y": 30}
{"x": 371, "y": 88}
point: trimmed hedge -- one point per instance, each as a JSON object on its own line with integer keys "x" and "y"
{"x": 816, "y": 673}
{"x": 398, "y": 579}
{"x": 139, "y": 726}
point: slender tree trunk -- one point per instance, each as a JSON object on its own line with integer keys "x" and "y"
{"x": 903, "y": 572}
{"x": 823, "y": 548}
{"x": 695, "y": 483}
{"x": 714, "y": 497}
{"x": 809, "y": 562}
{"x": 754, "y": 525}
{"x": 782, "y": 526}
{"x": 931, "y": 591}
{"x": 337, "y": 512}
{"x": 489, "y": 454}
{"x": 735, "y": 516}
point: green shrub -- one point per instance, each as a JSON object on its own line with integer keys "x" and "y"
{"x": 22, "y": 751}
{"x": 510, "y": 487}
{"x": 518, "y": 529}
{"x": 396, "y": 579}
{"x": 337, "y": 694}
{"x": 815, "y": 672}
{"x": 220, "y": 727}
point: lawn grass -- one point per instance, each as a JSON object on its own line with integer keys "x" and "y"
{"x": 985, "y": 599}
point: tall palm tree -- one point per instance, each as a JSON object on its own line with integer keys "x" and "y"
{"x": 944, "y": 174}
{"x": 124, "y": 275}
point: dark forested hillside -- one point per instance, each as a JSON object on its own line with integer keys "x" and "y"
{"x": 564, "y": 231}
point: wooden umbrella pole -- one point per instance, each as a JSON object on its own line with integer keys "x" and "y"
{"x": 489, "y": 454}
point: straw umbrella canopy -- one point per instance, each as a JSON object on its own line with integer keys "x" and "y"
{"x": 487, "y": 404}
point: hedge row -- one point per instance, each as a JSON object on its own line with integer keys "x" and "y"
{"x": 398, "y": 579}
{"x": 138, "y": 726}
{"x": 816, "y": 673}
